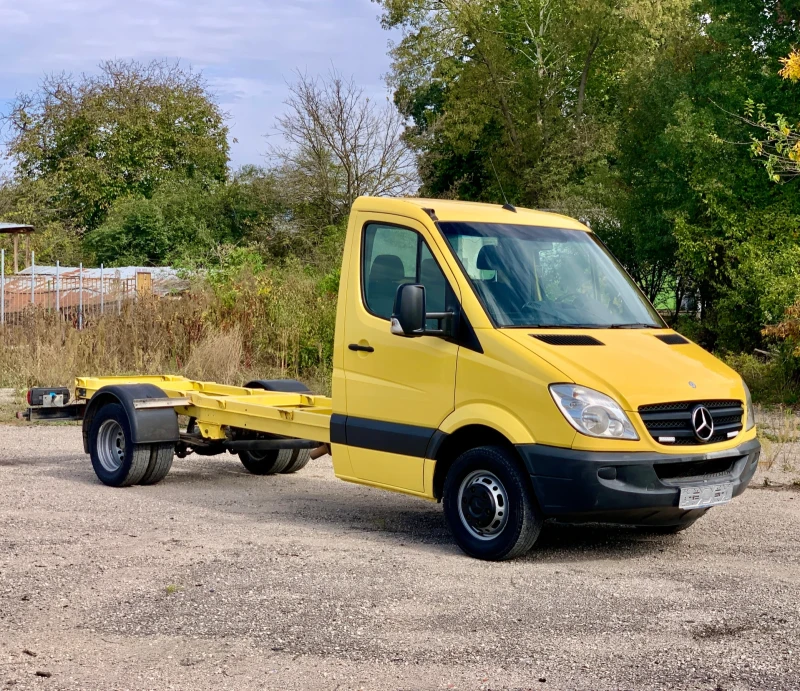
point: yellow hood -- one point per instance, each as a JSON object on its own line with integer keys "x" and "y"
{"x": 635, "y": 367}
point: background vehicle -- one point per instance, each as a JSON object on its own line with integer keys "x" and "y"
{"x": 496, "y": 359}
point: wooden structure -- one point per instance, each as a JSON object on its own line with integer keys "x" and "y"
{"x": 17, "y": 229}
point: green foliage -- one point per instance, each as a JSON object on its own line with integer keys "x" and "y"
{"x": 523, "y": 87}
{"x": 174, "y": 223}
{"x": 286, "y": 313}
{"x": 687, "y": 179}
{"x": 775, "y": 380}
{"x": 122, "y": 132}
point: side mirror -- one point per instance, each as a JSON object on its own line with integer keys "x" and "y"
{"x": 408, "y": 318}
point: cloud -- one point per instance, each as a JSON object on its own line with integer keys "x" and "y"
{"x": 247, "y": 49}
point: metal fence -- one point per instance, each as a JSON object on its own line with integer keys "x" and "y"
{"x": 75, "y": 294}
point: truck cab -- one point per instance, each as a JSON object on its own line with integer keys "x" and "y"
{"x": 502, "y": 361}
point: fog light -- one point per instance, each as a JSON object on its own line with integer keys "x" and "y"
{"x": 608, "y": 473}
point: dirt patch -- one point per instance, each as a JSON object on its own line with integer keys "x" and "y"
{"x": 217, "y": 579}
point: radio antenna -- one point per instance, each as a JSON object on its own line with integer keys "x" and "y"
{"x": 507, "y": 206}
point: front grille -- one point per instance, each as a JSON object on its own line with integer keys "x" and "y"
{"x": 675, "y": 420}
{"x": 695, "y": 470}
{"x": 568, "y": 339}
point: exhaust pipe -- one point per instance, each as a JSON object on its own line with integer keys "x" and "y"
{"x": 320, "y": 451}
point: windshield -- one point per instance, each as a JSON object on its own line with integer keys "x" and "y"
{"x": 534, "y": 276}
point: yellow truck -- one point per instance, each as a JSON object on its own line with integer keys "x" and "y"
{"x": 496, "y": 359}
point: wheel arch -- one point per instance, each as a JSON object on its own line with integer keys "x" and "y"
{"x": 451, "y": 446}
{"x": 148, "y": 426}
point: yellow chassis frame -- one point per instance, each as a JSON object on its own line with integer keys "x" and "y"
{"x": 216, "y": 406}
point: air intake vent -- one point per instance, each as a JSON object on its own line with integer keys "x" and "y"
{"x": 568, "y": 339}
{"x": 672, "y": 339}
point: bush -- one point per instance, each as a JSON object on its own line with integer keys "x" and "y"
{"x": 772, "y": 380}
{"x": 243, "y": 321}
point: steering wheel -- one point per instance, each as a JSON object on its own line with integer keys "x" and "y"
{"x": 534, "y": 305}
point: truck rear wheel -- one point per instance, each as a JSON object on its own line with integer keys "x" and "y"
{"x": 266, "y": 462}
{"x": 116, "y": 460}
{"x": 489, "y": 505}
{"x": 161, "y": 456}
{"x": 300, "y": 459}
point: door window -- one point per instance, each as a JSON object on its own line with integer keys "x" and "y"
{"x": 393, "y": 256}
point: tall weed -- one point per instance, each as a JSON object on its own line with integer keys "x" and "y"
{"x": 249, "y": 323}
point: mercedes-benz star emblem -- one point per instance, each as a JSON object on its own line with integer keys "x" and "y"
{"x": 703, "y": 423}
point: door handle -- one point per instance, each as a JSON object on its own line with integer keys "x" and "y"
{"x": 361, "y": 348}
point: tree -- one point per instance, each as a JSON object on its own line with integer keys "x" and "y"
{"x": 685, "y": 174}
{"x": 123, "y": 131}
{"x": 514, "y": 96}
{"x": 780, "y": 145}
{"x": 338, "y": 145}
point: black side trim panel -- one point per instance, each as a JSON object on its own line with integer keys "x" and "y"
{"x": 390, "y": 437}
{"x": 338, "y": 429}
{"x": 465, "y": 334}
{"x": 435, "y": 444}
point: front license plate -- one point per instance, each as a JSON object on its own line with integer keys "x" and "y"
{"x": 708, "y": 495}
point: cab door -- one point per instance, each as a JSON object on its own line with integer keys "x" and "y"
{"x": 398, "y": 389}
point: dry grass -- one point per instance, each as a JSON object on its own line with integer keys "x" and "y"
{"x": 218, "y": 357}
{"x": 276, "y": 325}
{"x": 778, "y": 434}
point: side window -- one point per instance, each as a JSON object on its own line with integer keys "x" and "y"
{"x": 392, "y": 256}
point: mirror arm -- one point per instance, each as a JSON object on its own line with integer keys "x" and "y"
{"x": 445, "y": 320}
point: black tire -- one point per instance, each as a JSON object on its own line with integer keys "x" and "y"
{"x": 489, "y": 519}
{"x": 161, "y": 456}
{"x": 266, "y": 462}
{"x": 116, "y": 460}
{"x": 300, "y": 459}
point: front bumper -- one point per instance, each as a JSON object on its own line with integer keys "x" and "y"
{"x": 640, "y": 488}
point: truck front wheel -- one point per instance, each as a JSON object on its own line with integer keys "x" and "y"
{"x": 489, "y": 506}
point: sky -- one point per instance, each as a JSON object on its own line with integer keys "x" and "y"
{"x": 247, "y": 49}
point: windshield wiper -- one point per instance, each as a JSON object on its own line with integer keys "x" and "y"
{"x": 562, "y": 326}
{"x": 632, "y": 326}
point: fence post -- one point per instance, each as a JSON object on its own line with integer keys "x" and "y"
{"x": 80, "y": 297}
{"x": 102, "y": 292}
{"x": 2, "y": 286}
{"x": 33, "y": 277}
{"x": 58, "y": 287}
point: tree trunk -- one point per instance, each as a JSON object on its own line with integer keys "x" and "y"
{"x": 585, "y": 74}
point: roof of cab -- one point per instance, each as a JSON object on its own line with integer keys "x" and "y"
{"x": 449, "y": 210}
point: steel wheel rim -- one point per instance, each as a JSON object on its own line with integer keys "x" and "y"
{"x": 111, "y": 446}
{"x": 483, "y": 505}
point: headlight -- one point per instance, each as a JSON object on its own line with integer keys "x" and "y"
{"x": 750, "y": 421}
{"x": 592, "y": 413}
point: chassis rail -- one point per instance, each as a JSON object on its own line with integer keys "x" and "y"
{"x": 217, "y": 406}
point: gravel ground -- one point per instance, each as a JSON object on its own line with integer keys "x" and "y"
{"x": 216, "y": 579}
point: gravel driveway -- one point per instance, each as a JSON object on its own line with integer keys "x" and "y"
{"x": 216, "y": 579}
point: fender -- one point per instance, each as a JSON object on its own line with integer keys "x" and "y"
{"x": 503, "y": 421}
{"x": 148, "y": 425}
